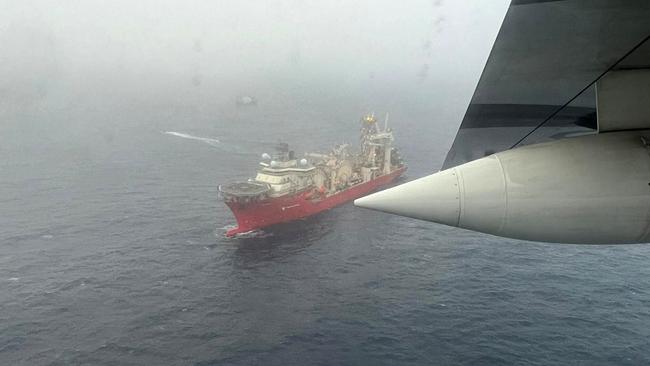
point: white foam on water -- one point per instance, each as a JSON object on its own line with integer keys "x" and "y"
{"x": 256, "y": 233}
{"x": 207, "y": 140}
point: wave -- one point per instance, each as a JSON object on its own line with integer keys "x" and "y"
{"x": 209, "y": 141}
{"x": 255, "y": 233}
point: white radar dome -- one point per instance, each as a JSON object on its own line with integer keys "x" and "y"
{"x": 266, "y": 156}
{"x": 303, "y": 162}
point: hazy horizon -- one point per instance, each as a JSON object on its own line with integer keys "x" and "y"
{"x": 84, "y": 65}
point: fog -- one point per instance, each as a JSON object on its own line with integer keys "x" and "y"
{"x": 78, "y": 68}
{"x": 118, "y": 122}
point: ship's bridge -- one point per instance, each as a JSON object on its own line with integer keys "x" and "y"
{"x": 286, "y": 176}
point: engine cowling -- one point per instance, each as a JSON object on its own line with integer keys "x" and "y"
{"x": 588, "y": 189}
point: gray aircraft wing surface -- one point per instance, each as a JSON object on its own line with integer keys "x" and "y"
{"x": 555, "y": 143}
{"x": 542, "y": 69}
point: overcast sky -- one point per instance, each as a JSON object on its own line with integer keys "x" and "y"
{"x": 231, "y": 39}
{"x": 60, "y": 51}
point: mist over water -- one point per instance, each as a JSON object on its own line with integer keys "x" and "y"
{"x": 95, "y": 69}
{"x": 119, "y": 120}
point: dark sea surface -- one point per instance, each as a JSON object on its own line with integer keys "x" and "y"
{"x": 112, "y": 253}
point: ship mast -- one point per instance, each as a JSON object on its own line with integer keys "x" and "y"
{"x": 386, "y": 122}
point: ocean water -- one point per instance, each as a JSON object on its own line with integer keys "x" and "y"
{"x": 112, "y": 253}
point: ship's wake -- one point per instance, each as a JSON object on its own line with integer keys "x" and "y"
{"x": 209, "y": 141}
{"x": 245, "y": 147}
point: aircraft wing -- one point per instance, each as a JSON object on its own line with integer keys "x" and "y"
{"x": 558, "y": 69}
{"x": 542, "y": 69}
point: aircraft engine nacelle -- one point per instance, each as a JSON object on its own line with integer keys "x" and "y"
{"x": 588, "y": 189}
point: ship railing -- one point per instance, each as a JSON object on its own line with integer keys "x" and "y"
{"x": 285, "y": 192}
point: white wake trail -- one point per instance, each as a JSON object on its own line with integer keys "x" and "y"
{"x": 207, "y": 140}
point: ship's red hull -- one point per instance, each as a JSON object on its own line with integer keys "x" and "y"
{"x": 256, "y": 215}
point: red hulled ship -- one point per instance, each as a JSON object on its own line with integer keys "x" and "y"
{"x": 287, "y": 188}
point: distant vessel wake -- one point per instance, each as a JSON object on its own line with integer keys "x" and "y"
{"x": 209, "y": 141}
{"x": 234, "y": 147}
